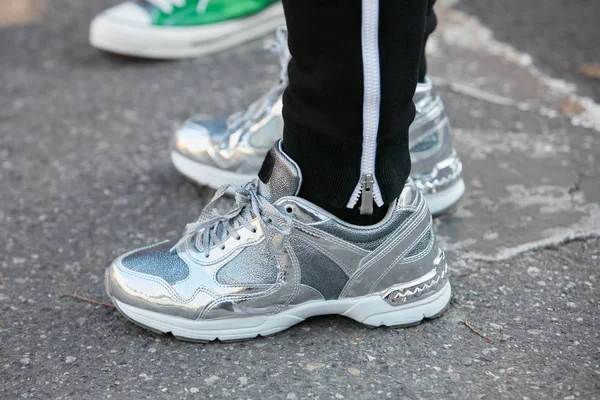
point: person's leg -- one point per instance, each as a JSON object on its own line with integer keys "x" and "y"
{"x": 217, "y": 151}
{"x": 323, "y": 104}
{"x": 430, "y": 25}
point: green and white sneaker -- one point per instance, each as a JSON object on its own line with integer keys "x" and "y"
{"x": 169, "y": 29}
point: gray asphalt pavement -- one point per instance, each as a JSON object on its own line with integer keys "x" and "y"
{"x": 85, "y": 175}
{"x": 561, "y": 35}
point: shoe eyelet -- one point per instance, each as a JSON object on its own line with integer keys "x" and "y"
{"x": 206, "y": 256}
{"x": 289, "y": 209}
{"x": 253, "y": 230}
{"x": 222, "y": 247}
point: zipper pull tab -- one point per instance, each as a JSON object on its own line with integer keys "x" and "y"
{"x": 366, "y": 203}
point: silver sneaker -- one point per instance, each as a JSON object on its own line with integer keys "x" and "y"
{"x": 275, "y": 259}
{"x": 216, "y": 152}
{"x": 435, "y": 166}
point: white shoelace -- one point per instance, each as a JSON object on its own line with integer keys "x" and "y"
{"x": 167, "y": 6}
{"x": 256, "y": 110}
{"x": 213, "y": 229}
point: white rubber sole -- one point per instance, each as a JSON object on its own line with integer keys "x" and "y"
{"x": 372, "y": 311}
{"x": 206, "y": 175}
{"x": 442, "y": 201}
{"x": 111, "y": 34}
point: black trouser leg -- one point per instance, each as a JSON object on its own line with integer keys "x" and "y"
{"x": 323, "y": 104}
{"x": 430, "y": 24}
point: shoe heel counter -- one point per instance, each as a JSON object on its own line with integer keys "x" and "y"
{"x": 422, "y": 270}
{"x": 408, "y": 257}
{"x": 435, "y": 164}
{"x": 437, "y": 279}
{"x": 430, "y": 137}
{"x": 417, "y": 260}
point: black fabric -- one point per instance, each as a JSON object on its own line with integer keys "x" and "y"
{"x": 430, "y": 25}
{"x": 323, "y": 104}
{"x": 266, "y": 170}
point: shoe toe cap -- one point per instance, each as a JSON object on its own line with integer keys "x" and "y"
{"x": 127, "y": 12}
{"x": 196, "y": 137}
{"x": 143, "y": 278}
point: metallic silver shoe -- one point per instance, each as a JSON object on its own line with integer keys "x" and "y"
{"x": 216, "y": 152}
{"x": 231, "y": 150}
{"x": 275, "y": 259}
{"x": 435, "y": 166}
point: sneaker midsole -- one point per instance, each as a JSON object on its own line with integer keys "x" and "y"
{"x": 371, "y": 310}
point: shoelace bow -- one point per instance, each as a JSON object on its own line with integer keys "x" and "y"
{"x": 212, "y": 228}
{"x": 167, "y": 6}
{"x": 257, "y": 109}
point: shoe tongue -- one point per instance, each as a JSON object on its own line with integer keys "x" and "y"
{"x": 279, "y": 175}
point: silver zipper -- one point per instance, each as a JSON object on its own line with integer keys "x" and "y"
{"x": 367, "y": 186}
{"x": 366, "y": 202}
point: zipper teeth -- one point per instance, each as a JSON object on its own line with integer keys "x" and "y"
{"x": 371, "y": 98}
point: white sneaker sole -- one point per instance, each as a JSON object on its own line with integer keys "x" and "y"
{"x": 205, "y": 175}
{"x": 213, "y": 177}
{"x": 370, "y": 310}
{"x": 442, "y": 201}
{"x": 110, "y": 34}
